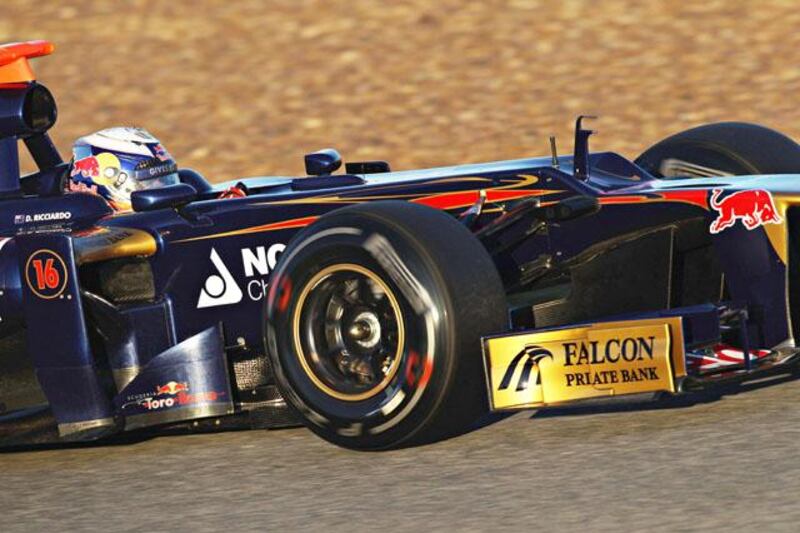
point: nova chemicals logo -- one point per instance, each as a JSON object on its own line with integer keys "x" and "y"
{"x": 219, "y": 288}
{"x": 249, "y": 278}
{"x": 533, "y": 355}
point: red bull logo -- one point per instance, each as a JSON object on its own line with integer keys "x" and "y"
{"x": 161, "y": 153}
{"x": 754, "y": 208}
{"x": 172, "y": 388}
{"x": 88, "y": 167}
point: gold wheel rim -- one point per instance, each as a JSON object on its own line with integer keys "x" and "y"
{"x": 318, "y": 278}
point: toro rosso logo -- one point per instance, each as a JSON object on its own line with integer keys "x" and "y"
{"x": 754, "y": 208}
{"x": 171, "y": 394}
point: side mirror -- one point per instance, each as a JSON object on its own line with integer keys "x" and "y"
{"x": 570, "y": 208}
{"x": 172, "y": 196}
{"x": 323, "y": 162}
{"x": 367, "y": 167}
{"x": 531, "y": 216}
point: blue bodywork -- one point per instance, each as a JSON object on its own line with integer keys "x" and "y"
{"x": 156, "y": 316}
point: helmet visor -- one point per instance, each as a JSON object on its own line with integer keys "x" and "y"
{"x": 155, "y": 172}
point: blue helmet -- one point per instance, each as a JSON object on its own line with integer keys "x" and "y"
{"x": 117, "y": 161}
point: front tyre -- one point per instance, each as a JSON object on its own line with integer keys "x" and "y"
{"x": 374, "y": 320}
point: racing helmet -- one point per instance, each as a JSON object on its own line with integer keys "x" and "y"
{"x": 117, "y": 161}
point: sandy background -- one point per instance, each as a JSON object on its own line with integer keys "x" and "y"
{"x": 241, "y": 88}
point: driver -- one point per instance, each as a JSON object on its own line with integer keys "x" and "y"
{"x": 117, "y": 161}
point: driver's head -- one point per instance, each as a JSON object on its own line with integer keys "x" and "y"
{"x": 117, "y": 161}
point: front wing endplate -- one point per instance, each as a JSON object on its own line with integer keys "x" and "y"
{"x": 534, "y": 369}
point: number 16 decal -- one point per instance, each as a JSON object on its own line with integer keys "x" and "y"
{"x": 46, "y": 274}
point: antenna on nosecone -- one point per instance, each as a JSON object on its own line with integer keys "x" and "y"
{"x": 553, "y": 151}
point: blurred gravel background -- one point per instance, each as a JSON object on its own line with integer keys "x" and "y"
{"x": 240, "y": 88}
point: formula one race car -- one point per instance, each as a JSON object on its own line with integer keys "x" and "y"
{"x": 385, "y": 308}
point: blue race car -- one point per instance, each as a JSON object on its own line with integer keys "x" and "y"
{"x": 385, "y": 308}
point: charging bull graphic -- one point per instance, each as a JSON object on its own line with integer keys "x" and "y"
{"x": 87, "y": 167}
{"x": 173, "y": 388}
{"x": 754, "y": 208}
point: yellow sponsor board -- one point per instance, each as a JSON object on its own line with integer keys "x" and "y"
{"x": 606, "y": 359}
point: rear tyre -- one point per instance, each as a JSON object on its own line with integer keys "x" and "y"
{"x": 374, "y": 320}
{"x": 724, "y": 148}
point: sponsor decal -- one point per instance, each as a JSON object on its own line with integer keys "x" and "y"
{"x": 154, "y": 171}
{"x": 161, "y": 153}
{"x": 219, "y": 288}
{"x": 536, "y": 369}
{"x": 172, "y": 387}
{"x": 57, "y": 216}
{"x": 87, "y": 167}
{"x": 101, "y": 173}
{"x": 222, "y": 287}
{"x": 532, "y": 354}
{"x": 753, "y": 207}
{"x": 720, "y": 356}
{"x": 46, "y": 274}
{"x": 171, "y": 394}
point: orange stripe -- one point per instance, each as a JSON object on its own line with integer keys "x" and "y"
{"x": 696, "y": 197}
{"x": 502, "y": 196}
{"x": 454, "y": 200}
{"x": 451, "y": 200}
{"x": 613, "y": 200}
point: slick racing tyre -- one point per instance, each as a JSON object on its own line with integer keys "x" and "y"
{"x": 725, "y": 148}
{"x": 374, "y": 322}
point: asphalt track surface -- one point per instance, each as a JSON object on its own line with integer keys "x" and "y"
{"x": 712, "y": 463}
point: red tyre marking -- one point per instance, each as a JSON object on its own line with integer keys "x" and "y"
{"x": 413, "y": 375}
{"x": 411, "y": 368}
{"x": 285, "y": 290}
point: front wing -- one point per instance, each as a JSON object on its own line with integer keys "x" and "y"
{"x": 646, "y": 354}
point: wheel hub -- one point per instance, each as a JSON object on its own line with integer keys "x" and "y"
{"x": 365, "y": 330}
{"x": 348, "y": 332}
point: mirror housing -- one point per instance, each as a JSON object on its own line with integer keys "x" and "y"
{"x": 367, "y": 167}
{"x": 171, "y": 196}
{"x": 570, "y": 208}
{"x": 323, "y": 162}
